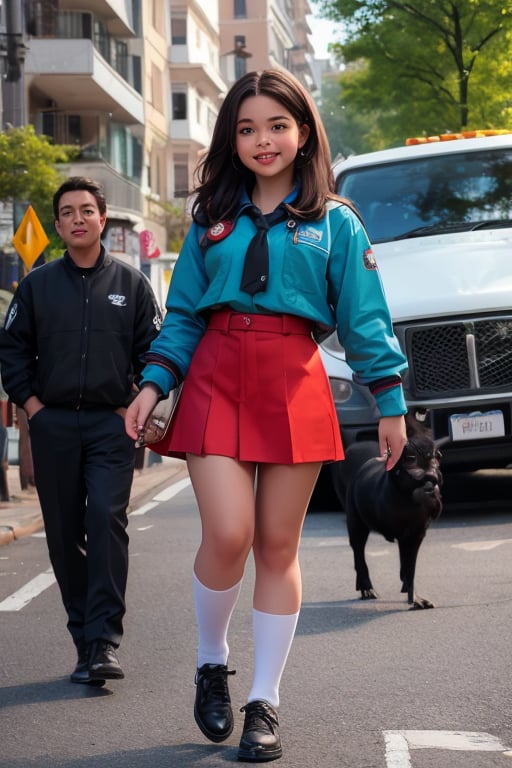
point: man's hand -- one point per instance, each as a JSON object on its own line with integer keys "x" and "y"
{"x": 32, "y": 405}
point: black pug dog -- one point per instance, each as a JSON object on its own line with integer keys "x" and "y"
{"x": 399, "y": 504}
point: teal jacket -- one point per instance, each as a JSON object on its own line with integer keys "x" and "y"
{"x": 322, "y": 270}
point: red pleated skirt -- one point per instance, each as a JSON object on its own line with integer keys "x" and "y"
{"x": 256, "y": 391}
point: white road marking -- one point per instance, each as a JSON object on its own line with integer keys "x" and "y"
{"x": 481, "y": 546}
{"x": 335, "y": 541}
{"x": 144, "y": 527}
{"x": 33, "y": 588}
{"x": 399, "y": 744}
{"x": 172, "y": 490}
{"x": 26, "y": 594}
{"x": 145, "y": 508}
{"x": 397, "y": 750}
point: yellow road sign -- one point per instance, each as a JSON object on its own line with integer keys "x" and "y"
{"x": 30, "y": 239}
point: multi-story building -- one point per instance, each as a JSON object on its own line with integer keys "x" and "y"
{"x": 196, "y": 86}
{"x": 256, "y": 34}
{"x": 84, "y": 86}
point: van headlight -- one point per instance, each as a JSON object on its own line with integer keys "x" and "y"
{"x": 341, "y": 390}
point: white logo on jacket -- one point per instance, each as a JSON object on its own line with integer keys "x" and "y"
{"x": 11, "y": 317}
{"x": 117, "y": 300}
{"x": 307, "y": 232}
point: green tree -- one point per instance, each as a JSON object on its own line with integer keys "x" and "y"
{"x": 425, "y": 67}
{"x": 28, "y": 172}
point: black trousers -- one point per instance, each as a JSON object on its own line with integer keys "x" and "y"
{"x": 83, "y": 467}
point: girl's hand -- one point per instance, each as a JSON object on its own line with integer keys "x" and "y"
{"x": 139, "y": 410}
{"x": 392, "y": 439}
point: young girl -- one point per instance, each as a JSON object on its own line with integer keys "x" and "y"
{"x": 272, "y": 257}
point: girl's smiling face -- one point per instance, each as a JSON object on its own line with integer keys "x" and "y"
{"x": 268, "y": 137}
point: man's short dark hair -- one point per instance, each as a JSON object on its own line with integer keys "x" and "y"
{"x": 75, "y": 183}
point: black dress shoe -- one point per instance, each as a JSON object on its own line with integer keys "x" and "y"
{"x": 103, "y": 661}
{"x": 212, "y": 708}
{"x": 80, "y": 674}
{"x": 260, "y": 740}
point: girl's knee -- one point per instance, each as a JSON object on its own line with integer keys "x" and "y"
{"x": 230, "y": 544}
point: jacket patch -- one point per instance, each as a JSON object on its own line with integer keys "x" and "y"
{"x": 11, "y": 317}
{"x": 220, "y": 230}
{"x": 307, "y": 232}
{"x": 118, "y": 300}
{"x": 369, "y": 259}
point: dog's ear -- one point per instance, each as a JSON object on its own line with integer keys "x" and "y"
{"x": 417, "y": 423}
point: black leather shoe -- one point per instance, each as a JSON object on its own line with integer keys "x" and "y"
{"x": 103, "y": 661}
{"x": 260, "y": 740}
{"x": 80, "y": 674}
{"x": 212, "y": 708}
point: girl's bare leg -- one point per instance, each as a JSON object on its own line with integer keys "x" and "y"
{"x": 224, "y": 489}
{"x": 282, "y": 498}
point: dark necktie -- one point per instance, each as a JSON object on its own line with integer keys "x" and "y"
{"x": 255, "y": 274}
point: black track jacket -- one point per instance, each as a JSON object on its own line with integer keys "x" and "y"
{"x": 75, "y": 337}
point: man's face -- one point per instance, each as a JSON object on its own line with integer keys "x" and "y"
{"x": 80, "y": 223}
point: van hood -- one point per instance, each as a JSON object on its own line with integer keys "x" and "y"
{"x": 443, "y": 275}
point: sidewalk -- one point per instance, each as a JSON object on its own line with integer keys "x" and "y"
{"x": 21, "y": 516}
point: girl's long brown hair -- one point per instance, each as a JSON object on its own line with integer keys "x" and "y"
{"x": 221, "y": 176}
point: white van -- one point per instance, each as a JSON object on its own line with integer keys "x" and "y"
{"x": 438, "y": 212}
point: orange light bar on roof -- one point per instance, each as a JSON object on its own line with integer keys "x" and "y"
{"x": 453, "y": 136}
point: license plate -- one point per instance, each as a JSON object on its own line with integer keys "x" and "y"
{"x": 477, "y": 426}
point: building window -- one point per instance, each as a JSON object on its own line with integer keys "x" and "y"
{"x": 240, "y": 56}
{"x": 102, "y": 39}
{"x": 240, "y": 9}
{"x": 179, "y": 105}
{"x": 179, "y": 31}
{"x": 120, "y": 58}
{"x": 181, "y": 175}
{"x": 74, "y": 25}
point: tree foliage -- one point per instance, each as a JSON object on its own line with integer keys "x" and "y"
{"x": 28, "y": 171}
{"x": 424, "y": 66}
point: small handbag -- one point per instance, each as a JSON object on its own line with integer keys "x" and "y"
{"x": 159, "y": 419}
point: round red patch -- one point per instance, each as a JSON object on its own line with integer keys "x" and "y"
{"x": 220, "y": 230}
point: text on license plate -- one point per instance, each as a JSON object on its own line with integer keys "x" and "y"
{"x": 477, "y": 426}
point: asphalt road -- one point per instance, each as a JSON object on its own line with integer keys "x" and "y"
{"x": 368, "y": 684}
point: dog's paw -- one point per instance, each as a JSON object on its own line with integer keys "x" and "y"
{"x": 369, "y": 594}
{"x": 421, "y": 603}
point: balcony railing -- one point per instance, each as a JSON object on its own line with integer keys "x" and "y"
{"x": 83, "y": 25}
{"x": 121, "y": 193}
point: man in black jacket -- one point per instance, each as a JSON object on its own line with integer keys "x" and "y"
{"x": 71, "y": 351}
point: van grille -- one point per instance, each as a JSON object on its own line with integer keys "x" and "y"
{"x": 466, "y": 357}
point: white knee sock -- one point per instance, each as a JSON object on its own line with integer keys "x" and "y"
{"x": 273, "y": 636}
{"x": 213, "y": 614}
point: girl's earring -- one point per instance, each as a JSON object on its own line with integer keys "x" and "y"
{"x": 300, "y": 159}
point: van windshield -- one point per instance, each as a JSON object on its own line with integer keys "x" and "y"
{"x": 432, "y": 195}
